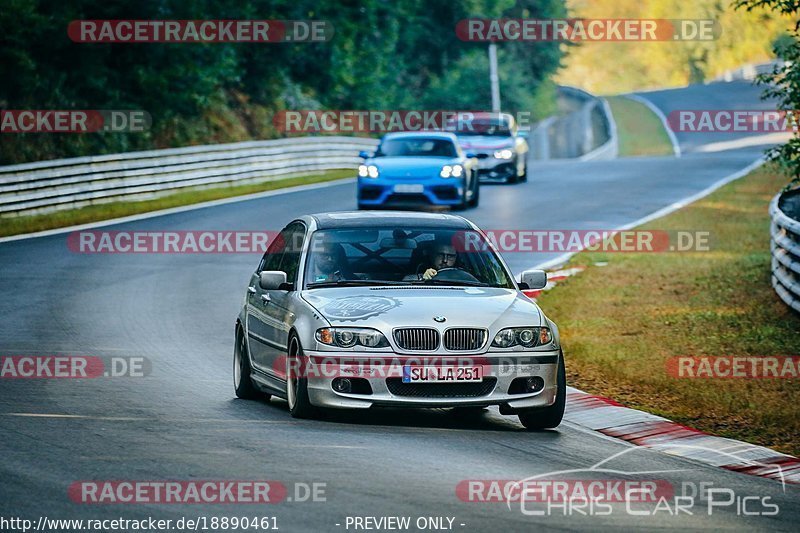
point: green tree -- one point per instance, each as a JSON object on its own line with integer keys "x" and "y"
{"x": 383, "y": 55}
{"x": 783, "y": 83}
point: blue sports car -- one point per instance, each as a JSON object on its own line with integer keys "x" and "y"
{"x": 413, "y": 168}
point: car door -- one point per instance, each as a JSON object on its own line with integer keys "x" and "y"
{"x": 257, "y": 330}
{"x": 273, "y": 305}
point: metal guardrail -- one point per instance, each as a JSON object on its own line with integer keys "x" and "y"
{"x": 785, "y": 248}
{"x": 749, "y": 71}
{"x": 609, "y": 149}
{"x": 46, "y": 186}
{"x": 573, "y": 135}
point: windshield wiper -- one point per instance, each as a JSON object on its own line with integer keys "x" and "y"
{"x": 354, "y": 283}
{"x": 455, "y": 282}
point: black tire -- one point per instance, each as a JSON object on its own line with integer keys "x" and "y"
{"x": 548, "y": 417}
{"x": 296, "y": 384}
{"x": 242, "y": 382}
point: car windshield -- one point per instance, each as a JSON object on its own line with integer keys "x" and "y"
{"x": 416, "y": 147}
{"x": 402, "y": 256}
{"x": 489, "y": 128}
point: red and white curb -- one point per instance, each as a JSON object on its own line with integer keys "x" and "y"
{"x": 644, "y": 429}
{"x": 553, "y": 277}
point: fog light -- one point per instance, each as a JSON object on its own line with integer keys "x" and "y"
{"x": 534, "y": 384}
{"x": 342, "y": 385}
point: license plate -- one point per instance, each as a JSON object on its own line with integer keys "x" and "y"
{"x": 409, "y": 187}
{"x": 442, "y": 374}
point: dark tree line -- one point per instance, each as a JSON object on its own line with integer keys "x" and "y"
{"x": 383, "y": 55}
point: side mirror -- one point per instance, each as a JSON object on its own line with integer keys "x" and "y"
{"x": 534, "y": 279}
{"x": 363, "y": 155}
{"x": 272, "y": 279}
{"x": 470, "y": 155}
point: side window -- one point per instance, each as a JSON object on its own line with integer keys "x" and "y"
{"x": 295, "y": 235}
{"x": 274, "y": 254}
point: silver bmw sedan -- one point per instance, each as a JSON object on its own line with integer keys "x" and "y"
{"x": 350, "y": 310}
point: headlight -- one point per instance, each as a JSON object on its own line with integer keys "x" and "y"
{"x": 504, "y": 154}
{"x": 454, "y": 171}
{"x": 525, "y": 337}
{"x": 371, "y": 171}
{"x": 504, "y": 338}
{"x": 350, "y": 337}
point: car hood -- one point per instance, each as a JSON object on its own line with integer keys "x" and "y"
{"x": 485, "y": 142}
{"x": 385, "y": 308}
{"x": 412, "y": 166}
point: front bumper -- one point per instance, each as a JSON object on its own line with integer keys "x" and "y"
{"x": 385, "y": 191}
{"x": 492, "y": 169}
{"x": 383, "y": 373}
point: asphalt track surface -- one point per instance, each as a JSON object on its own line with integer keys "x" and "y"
{"x": 182, "y": 422}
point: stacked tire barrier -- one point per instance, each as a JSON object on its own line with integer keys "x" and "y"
{"x": 785, "y": 248}
{"x": 46, "y": 186}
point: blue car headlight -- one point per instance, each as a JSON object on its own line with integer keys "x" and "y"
{"x": 370, "y": 171}
{"x": 505, "y": 153}
{"x": 451, "y": 171}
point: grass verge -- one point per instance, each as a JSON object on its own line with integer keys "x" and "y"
{"x": 640, "y": 131}
{"x": 94, "y": 213}
{"x": 622, "y": 321}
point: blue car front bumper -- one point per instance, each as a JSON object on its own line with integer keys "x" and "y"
{"x": 374, "y": 192}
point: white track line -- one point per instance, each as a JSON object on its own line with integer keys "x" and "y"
{"x": 676, "y": 147}
{"x": 181, "y": 209}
